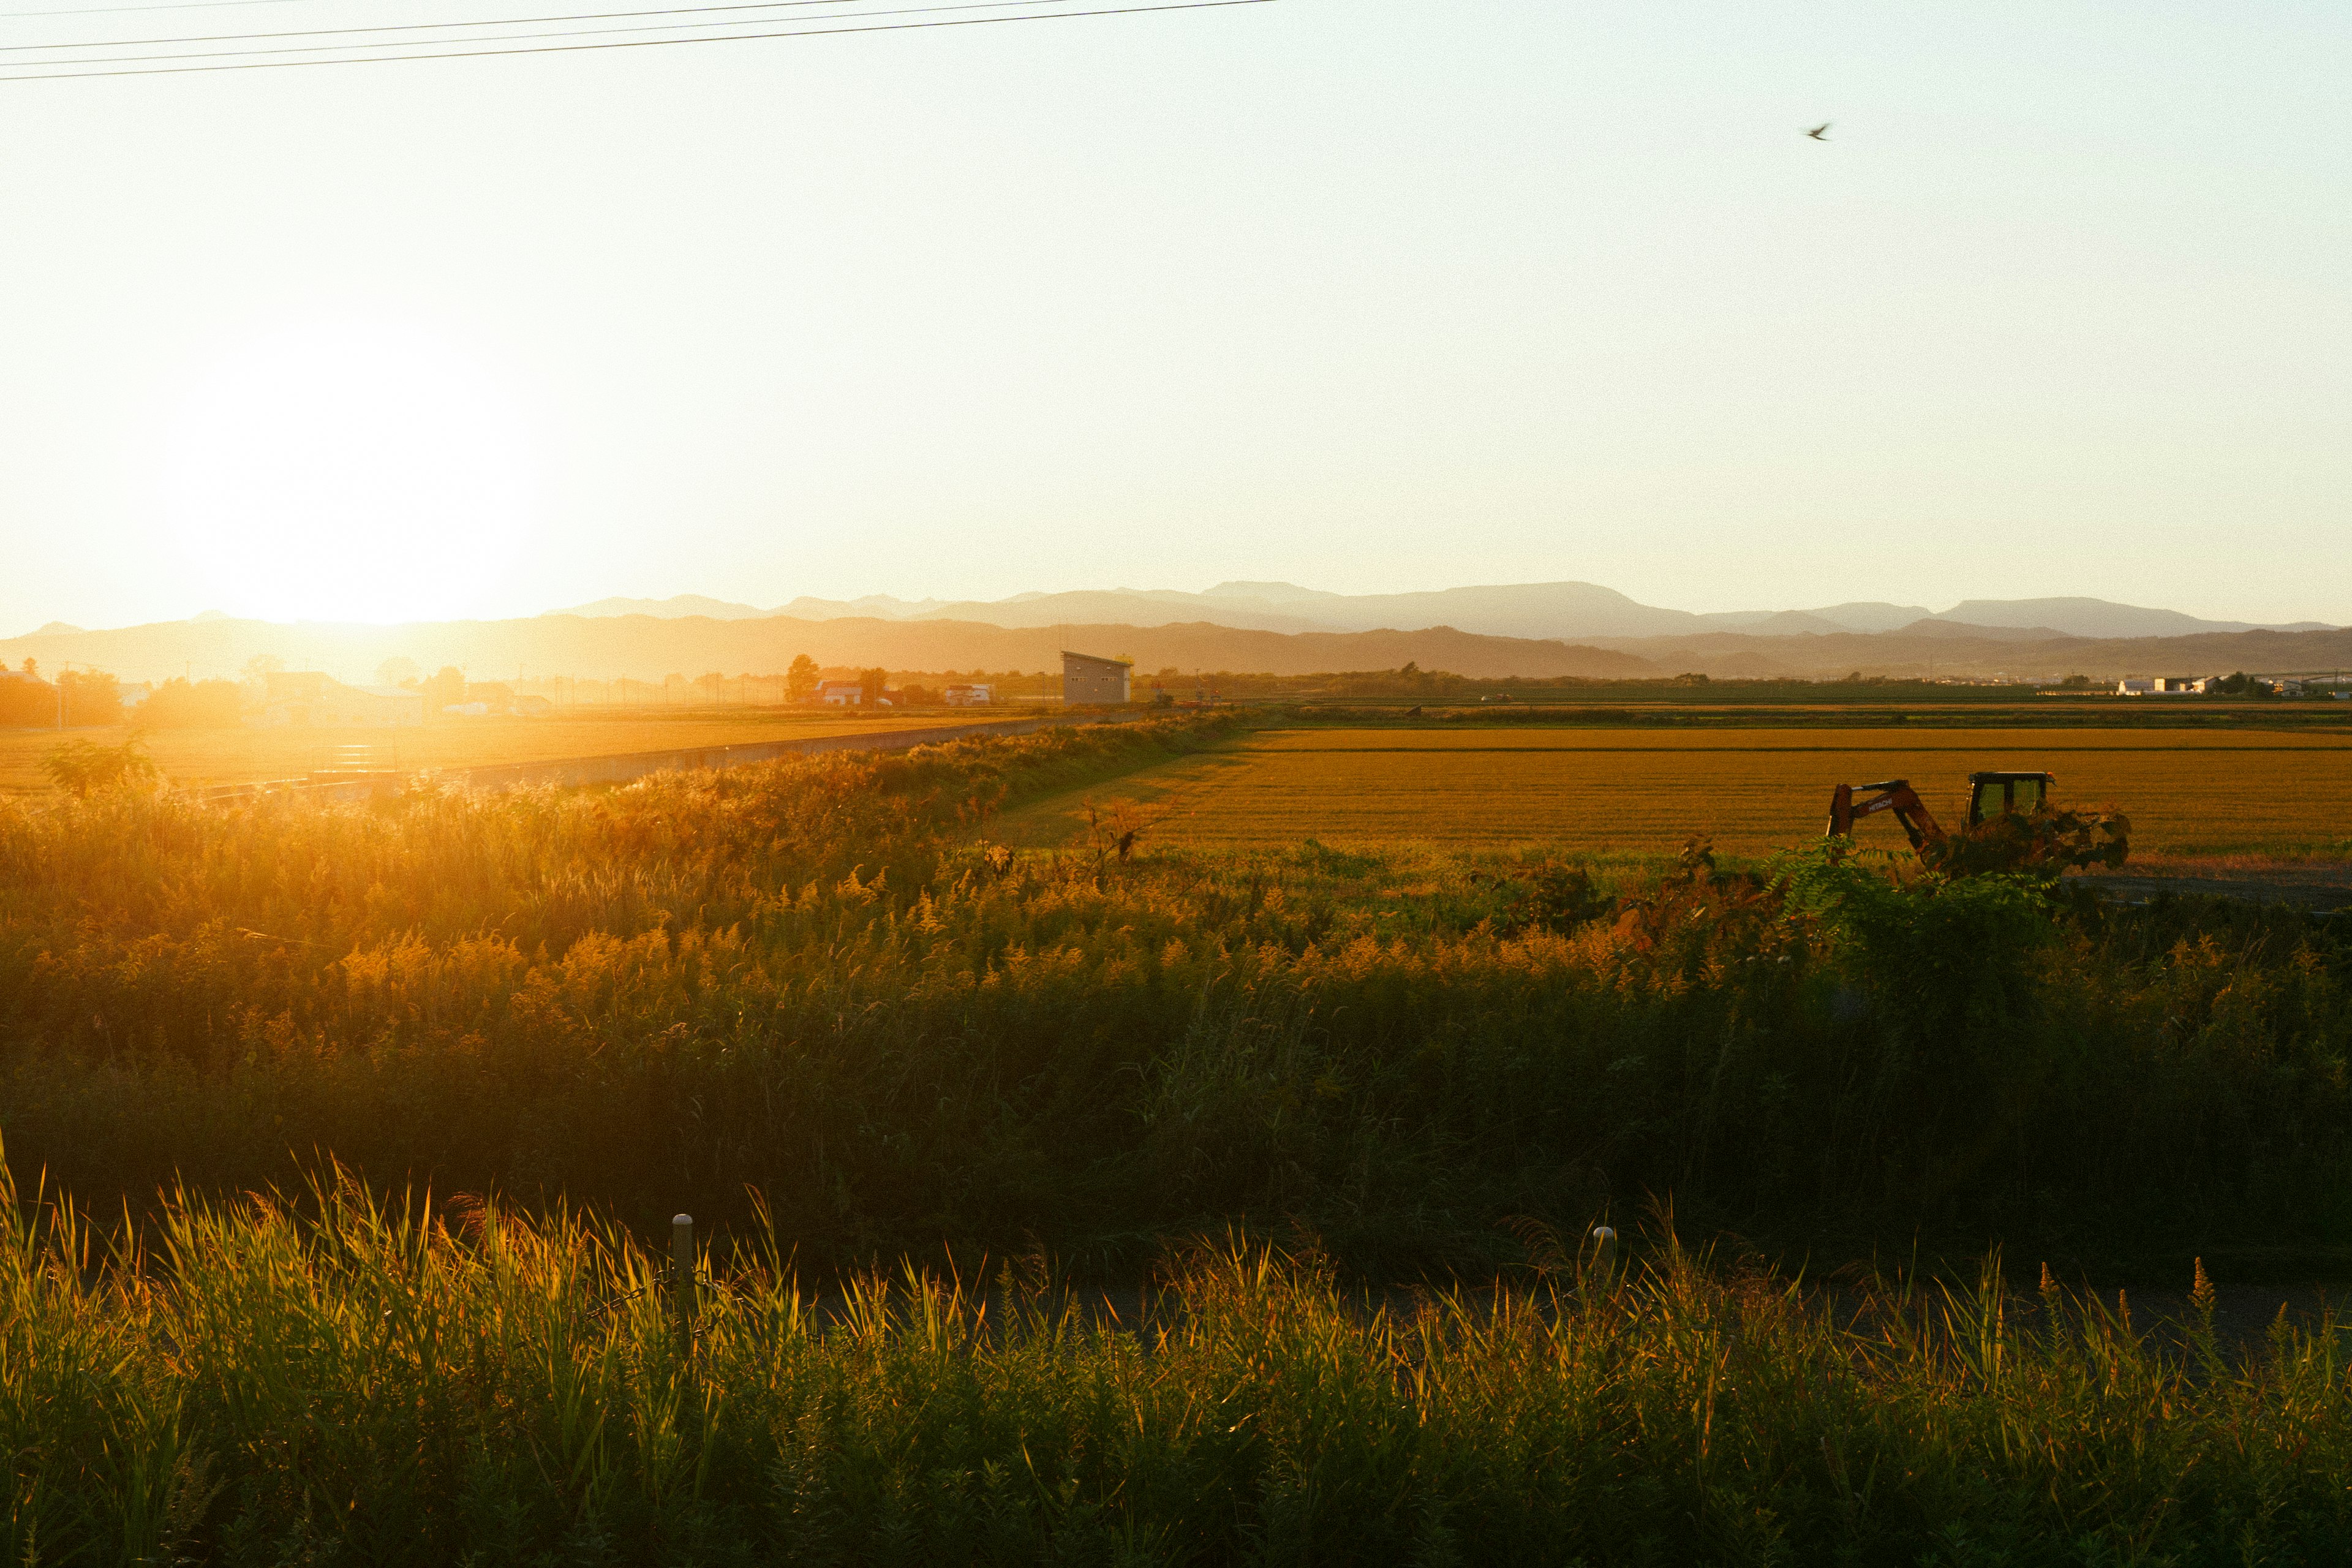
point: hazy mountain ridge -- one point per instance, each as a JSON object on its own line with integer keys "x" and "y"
{"x": 647, "y": 648}
{"x": 1542, "y": 611}
{"x": 2102, "y": 618}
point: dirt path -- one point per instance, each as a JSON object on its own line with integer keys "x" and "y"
{"x": 2317, "y": 889}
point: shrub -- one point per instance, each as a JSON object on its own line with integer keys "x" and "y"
{"x": 83, "y": 768}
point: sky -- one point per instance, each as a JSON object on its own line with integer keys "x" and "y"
{"x": 1370, "y": 295}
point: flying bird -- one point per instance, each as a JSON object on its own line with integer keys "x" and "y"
{"x": 1816, "y": 132}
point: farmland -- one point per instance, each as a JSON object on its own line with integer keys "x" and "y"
{"x": 382, "y": 1096}
{"x": 244, "y": 755}
{"x": 1603, "y": 791}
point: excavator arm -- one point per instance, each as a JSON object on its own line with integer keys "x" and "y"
{"x": 1919, "y": 824}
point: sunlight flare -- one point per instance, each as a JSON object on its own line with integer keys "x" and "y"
{"x": 347, "y": 471}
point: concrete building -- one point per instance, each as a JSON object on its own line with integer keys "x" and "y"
{"x": 1095, "y": 681}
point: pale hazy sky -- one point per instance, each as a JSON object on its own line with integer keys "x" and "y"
{"x": 1370, "y": 295}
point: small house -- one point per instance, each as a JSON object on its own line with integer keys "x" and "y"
{"x": 1089, "y": 678}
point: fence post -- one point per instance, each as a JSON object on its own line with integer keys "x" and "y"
{"x": 681, "y": 1270}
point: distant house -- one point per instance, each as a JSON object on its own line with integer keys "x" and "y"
{"x": 971, "y": 695}
{"x": 1089, "y": 678}
{"x": 313, "y": 700}
{"x": 840, "y": 693}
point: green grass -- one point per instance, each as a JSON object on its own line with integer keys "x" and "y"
{"x": 397, "y": 1384}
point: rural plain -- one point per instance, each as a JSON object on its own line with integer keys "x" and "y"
{"x": 201, "y": 758}
{"x": 1064, "y": 784}
{"x": 1614, "y": 791}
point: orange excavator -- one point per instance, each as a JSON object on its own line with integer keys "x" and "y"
{"x": 1990, "y": 796}
{"x": 2011, "y": 825}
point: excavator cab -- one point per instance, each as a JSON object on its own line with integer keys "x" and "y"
{"x": 1993, "y": 795}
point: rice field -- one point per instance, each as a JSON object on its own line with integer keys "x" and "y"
{"x": 1603, "y": 792}
{"x": 200, "y": 757}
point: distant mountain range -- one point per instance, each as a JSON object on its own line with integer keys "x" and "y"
{"x": 647, "y": 647}
{"x": 1533, "y": 629}
{"x": 1573, "y": 611}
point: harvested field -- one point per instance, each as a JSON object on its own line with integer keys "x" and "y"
{"x": 245, "y": 756}
{"x": 1596, "y": 792}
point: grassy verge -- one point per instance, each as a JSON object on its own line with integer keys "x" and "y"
{"x": 393, "y": 1384}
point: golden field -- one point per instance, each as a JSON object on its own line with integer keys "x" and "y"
{"x": 198, "y": 757}
{"x": 1596, "y": 792}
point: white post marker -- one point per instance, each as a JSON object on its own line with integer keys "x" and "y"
{"x": 1605, "y": 1251}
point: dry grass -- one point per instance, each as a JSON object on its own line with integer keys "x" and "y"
{"x": 1598, "y": 791}
{"x": 242, "y": 756}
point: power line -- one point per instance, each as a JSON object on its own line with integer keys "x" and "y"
{"x": 419, "y": 26}
{"x": 490, "y": 39}
{"x": 167, "y": 5}
{"x": 116, "y": 66}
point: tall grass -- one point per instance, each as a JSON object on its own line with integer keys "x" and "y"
{"x": 817, "y": 982}
{"x": 391, "y": 1383}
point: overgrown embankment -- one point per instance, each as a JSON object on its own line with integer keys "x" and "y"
{"x": 386, "y": 1385}
{"x": 816, "y": 981}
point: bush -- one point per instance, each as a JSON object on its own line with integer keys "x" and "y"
{"x": 84, "y": 768}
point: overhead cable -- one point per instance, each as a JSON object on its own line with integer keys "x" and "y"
{"x": 119, "y": 66}
{"x": 163, "y": 5}
{"x": 345, "y": 47}
{"x": 427, "y": 27}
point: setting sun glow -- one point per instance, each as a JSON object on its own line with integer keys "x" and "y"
{"x": 348, "y": 471}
